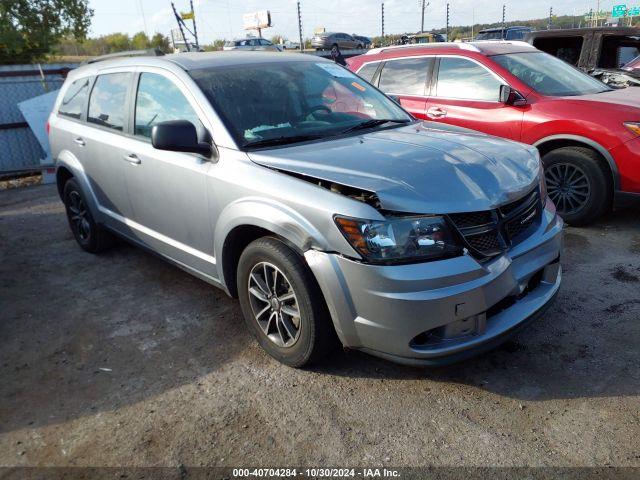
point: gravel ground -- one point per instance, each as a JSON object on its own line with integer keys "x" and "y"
{"x": 123, "y": 360}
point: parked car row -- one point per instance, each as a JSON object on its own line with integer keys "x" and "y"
{"x": 334, "y": 215}
{"x": 587, "y": 133}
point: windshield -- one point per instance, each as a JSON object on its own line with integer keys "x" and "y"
{"x": 490, "y": 35}
{"x": 294, "y": 101}
{"x": 549, "y": 75}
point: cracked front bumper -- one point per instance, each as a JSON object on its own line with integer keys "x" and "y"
{"x": 395, "y": 311}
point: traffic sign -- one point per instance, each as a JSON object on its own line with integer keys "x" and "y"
{"x": 618, "y": 11}
{"x": 633, "y": 12}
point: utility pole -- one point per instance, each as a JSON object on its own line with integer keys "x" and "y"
{"x": 425, "y": 4}
{"x": 473, "y": 21}
{"x": 383, "y": 21}
{"x": 504, "y": 16}
{"x": 550, "y": 17}
{"x": 300, "y": 28}
{"x": 195, "y": 30}
{"x": 448, "y": 39}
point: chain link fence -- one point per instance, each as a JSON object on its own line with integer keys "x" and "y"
{"x": 19, "y": 149}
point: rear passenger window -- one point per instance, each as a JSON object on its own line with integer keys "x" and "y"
{"x": 159, "y": 100}
{"x": 108, "y": 98}
{"x": 406, "y": 76}
{"x": 368, "y": 71}
{"x": 73, "y": 101}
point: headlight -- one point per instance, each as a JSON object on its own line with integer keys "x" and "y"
{"x": 633, "y": 127}
{"x": 400, "y": 239}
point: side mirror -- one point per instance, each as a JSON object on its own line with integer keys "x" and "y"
{"x": 178, "y": 136}
{"x": 511, "y": 97}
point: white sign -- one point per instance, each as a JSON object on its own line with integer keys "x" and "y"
{"x": 255, "y": 20}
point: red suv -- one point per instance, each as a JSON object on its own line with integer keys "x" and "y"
{"x": 587, "y": 133}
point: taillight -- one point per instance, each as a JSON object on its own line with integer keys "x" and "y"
{"x": 47, "y": 127}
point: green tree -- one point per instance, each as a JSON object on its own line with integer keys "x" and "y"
{"x": 140, "y": 41}
{"x": 117, "y": 42}
{"x": 161, "y": 42}
{"x": 29, "y": 29}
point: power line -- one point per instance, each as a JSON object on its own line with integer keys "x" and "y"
{"x": 144, "y": 20}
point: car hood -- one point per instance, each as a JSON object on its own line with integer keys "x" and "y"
{"x": 625, "y": 97}
{"x": 421, "y": 168}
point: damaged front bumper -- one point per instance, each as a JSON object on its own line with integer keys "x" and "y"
{"x": 443, "y": 311}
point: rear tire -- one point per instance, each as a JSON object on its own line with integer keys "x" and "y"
{"x": 296, "y": 330}
{"x": 577, "y": 182}
{"x": 90, "y": 236}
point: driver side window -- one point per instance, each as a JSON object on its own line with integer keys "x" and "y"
{"x": 159, "y": 100}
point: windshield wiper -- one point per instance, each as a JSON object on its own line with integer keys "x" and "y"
{"x": 374, "y": 122}
{"x": 272, "y": 142}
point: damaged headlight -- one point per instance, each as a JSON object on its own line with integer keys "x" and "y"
{"x": 400, "y": 239}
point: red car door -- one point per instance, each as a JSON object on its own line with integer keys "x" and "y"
{"x": 406, "y": 78}
{"x": 467, "y": 94}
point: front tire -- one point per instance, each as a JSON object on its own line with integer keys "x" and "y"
{"x": 90, "y": 236}
{"x": 577, "y": 183}
{"x": 282, "y": 304}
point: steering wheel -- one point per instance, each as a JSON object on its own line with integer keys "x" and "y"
{"x": 319, "y": 107}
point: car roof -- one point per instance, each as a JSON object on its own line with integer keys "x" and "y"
{"x": 498, "y": 29}
{"x": 199, "y": 60}
{"x": 489, "y": 47}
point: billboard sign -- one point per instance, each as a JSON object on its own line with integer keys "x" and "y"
{"x": 256, "y": 20}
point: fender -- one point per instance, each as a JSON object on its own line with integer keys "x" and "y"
{"x": 591, "y": 143}
{"x": 269, "y": 215}
{"x": 70, "y": 161}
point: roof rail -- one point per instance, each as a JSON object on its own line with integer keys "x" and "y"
{"x": 459, "y": 45}
{"x": 152, "y": 52}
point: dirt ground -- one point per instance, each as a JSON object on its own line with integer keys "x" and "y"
{"x": 124, "y": 360}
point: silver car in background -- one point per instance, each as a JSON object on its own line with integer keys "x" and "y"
{"x": 251, "y": 44}
{"x": 328, "y": 40}
{"x": 302, "y": 190}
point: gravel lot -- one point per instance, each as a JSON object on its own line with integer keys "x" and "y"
{"x": 123, "y": 360}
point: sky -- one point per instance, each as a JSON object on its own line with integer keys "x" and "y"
{"x": 222, "y": 19}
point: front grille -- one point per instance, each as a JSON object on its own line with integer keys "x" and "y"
{"x": 488, "y": 233}
{"x": 486, "y": 243}
{"x": 472, "y": 219}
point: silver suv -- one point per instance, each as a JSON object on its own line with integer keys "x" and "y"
{"x": 299, "y": 188}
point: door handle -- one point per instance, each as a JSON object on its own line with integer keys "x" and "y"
{"x": 80, "y": 141}
{"x": 133, "y": 159}
{"x": 436, "y": 112}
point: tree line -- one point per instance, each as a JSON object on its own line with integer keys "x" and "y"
{"x": 112, "y": 43}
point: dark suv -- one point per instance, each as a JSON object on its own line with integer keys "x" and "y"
{"x": 506, "y": 33}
